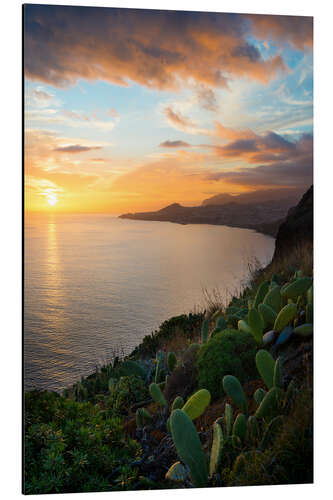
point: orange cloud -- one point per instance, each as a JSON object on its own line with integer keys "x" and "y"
{"x": 233, "y": 134}
{"x": 158, "y": 49}
{"x": 295, "y": 30}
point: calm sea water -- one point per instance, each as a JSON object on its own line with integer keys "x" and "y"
{"x": 99, "y": 284}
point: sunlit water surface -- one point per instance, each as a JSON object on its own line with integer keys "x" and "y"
{"x": 96, "y": 284}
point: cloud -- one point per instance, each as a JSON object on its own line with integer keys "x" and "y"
{"x": 157, "y": 49}
{"x": 268, "y": 147}
{"x": 207, "y": 98}
{"x": 41, "y": 95}
{"x": 75, "y": 148}
{"x": 293, "y": 30}
{"x": 284, "y": 163}
{"x": 233, "y": 134}
{"x": 175, "y": 144}
{"x": 112, "y": 112}
{"x": 178, "y": 120}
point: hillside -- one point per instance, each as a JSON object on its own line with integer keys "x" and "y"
{"x": 288, "y": 197}
{"x": 297, "y": 229}
{"x": 262, "y": 216}
{"x": 221, "y": 397}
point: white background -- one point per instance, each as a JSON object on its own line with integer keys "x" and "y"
{"x": 10, "y": 246}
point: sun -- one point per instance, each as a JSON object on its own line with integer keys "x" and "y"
{"x": 52, "y": 199}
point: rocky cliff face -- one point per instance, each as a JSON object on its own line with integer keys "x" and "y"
{"x": 297, "y": 227}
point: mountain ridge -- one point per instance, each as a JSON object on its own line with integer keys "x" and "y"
{"x": 264, "y": 216}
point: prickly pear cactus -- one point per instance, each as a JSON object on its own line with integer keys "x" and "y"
{"x": 228, "y": 418}
{"x": 299, "y": 287}
{"x": 178, "y": 403}
{"x": 305, "y": 330}
{"x": 157, "y": 395}
{"x": 172, "y": 361}
{"x": 256, "y": 325}
{"x": 268, "y": 315}
{"x": 270, "y": 403}
{"x": 204, "y": 331}
{"x": 197, "y": 403}
{"x": 278, "y": 375}
{"x": 261, "y": 293}
{"x": 265, "y": 364}
{"x": 221, "y": 323}
{"x": 233, "y": 388}
{"x": 216, "y": 451}
{"x": 285, "y": 316}
{"x": 259, "y": 395}
{"x": 253, "y": 428}
{"x": 273, "y": 298}
{"x": 240, "y": 427}
{"x": 177, "y": 473}
{"x": 244, "y": 327}
{"x": 142, "y": 417}
{"x": 271, "y": 432}
{"x": 188, "y": 446}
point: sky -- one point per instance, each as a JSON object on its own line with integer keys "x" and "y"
{"x": 129, "y": 110}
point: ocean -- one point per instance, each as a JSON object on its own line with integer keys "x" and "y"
{"x": 95, "y": 285}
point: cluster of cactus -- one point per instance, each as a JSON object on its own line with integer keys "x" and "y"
{"x": 277, "y": 312}
{"x": 188, "y": 445}
{"x": 231, "y": 433}
{"x": 156, "y": 388}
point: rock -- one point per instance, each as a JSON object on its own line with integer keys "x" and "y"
{"x": 297, "y": 227}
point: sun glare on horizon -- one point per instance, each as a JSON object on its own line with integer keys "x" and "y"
{"x": 52, "y": 199}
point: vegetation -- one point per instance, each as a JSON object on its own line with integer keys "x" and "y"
{"x": 228, "y": 352}
{"x": 218, "y": 398}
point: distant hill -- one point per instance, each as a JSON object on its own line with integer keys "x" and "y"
{"x": 256, "y": 213}
{"x": 288, "y": 196}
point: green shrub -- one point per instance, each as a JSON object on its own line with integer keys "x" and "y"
{"x": 230, "y": 352}
{"x": 125, "y": 392}
{"x": 73, "y": 447}
{"x": 188, "y": 325}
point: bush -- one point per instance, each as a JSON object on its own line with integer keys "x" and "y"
{"x": 73, "y": 447}
{"x": 125, "y": 392}
{"x": 230, "y": 352}
{"x": 187, "y": 325}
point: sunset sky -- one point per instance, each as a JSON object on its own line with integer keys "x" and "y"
{"x": 130, "y": 110}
